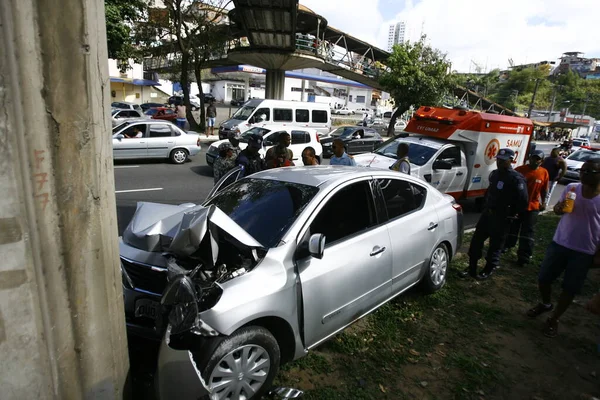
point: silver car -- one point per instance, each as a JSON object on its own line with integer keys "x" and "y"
{"x": 274, "y": 264}
{"x": 119, "y": 115}
{"x": 143, "y": 138}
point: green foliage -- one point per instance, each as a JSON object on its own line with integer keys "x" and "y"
{"x": 120, "y": 17}
{"x": 419, "y": 75}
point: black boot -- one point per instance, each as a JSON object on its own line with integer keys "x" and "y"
{"x": 486, "y": 273}
{"x": 470, "y": 271}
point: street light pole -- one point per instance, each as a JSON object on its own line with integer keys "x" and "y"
{"x": 537, "y": 84}
{"x": 552, "y": 104}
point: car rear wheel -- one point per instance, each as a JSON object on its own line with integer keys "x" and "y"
{"x": 243, "y": 365}
{"x": 435, "y": 277}
{"x": 178, "y": 156}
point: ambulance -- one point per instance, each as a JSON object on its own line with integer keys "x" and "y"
{"x": 455, "y": 149}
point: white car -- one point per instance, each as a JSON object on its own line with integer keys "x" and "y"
{"x": 120, "y": 115}
{"x": 151, "y": 138}
{"x": 579, "y": 143}
{"x": 343, "y": 111}
{"x": 363, "y": 111}
{"x": 575, "y": 162}
{"x": 301, "y": 138}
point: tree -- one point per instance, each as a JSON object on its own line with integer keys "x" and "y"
{"x": 418, "y": 75}
{"x": 189, "y": 35}
{"x": 120, "y": 17}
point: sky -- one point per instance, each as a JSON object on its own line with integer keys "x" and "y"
{"x": 483, "y": 32}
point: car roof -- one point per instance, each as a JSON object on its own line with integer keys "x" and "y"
{"x": 146, "y": 120}
{"x": 424, "y": 140}
{"x": 324, "y": 175}
{"x": 288, "y": 128}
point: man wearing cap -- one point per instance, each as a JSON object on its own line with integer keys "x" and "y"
{"x": 505, "y": 198}
{"x": 537, "y": 179}
{"x": 234, "y": 139}
{"x": 225, "y": 162}
{"x": 250, "y": 158}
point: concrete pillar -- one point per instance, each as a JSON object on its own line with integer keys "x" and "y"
{"x": 62, "y": 327}
{"x": 247, "y": 87}
{"x": 275, "y": 84}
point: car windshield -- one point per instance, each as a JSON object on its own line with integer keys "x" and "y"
{"x": 120, "y": 126}
{"x": 264, "y": 208}
{"x": 152, "y": 111}
{"x": 584, "y": 155}
{"x": 251, "y": 131}
{"x": 417, "y": 153}
{"x": 344, "y": 131}
{"x": 578, "y": 143}
{"x": 114, "y": 111}
{"x": 244, "y": 113}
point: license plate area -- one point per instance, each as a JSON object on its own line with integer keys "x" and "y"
{"x": 147, "y": 308}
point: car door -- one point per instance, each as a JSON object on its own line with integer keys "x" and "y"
{"x": 355, "y": 145}
{"x": 160, "y": 140}
{"x": 412, "y": 225}
{"x": 354, "y": 274}
{"x": 450, "y": 180}
{"x": 370, "y": 141}
{"x": 300, "y": 140}
{"x": 125, "y": 147}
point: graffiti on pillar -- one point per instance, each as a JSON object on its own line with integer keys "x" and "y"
{"x": 41, "y": 179}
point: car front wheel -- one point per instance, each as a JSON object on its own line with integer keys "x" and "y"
{"x": 243, "y": 365}
{"x": 178, "y": 156}
{"x": 435, "y": 277}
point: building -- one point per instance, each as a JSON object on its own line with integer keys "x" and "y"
{"x": 576, "y": 62}
{"x": 396, "y": 34}
{"x": 134, "y": 85}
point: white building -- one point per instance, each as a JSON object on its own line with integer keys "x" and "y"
{"x": 396, "y": 34}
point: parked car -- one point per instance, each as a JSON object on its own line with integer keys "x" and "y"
{"x": 164, "y": 113}
{"x": 576, "y": 160}
{"x": 246, "y": 291}
{"x": 207, "y": 97}
{"x": 363, "y": 110}
{"x": 343, "y": 111}
{"x": 159, "y": 139}
{"x": 146, "y": 106}
{"x": 120, "y": 115}
{"x": 357, "y": 139}
{"x": 126, "y": 105}
{"x": 237, "y": 102}
{"x": 301, "y": 138}
{"x": 178, "y": 100}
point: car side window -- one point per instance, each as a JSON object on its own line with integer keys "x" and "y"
{"x": 319, "y": 116}
{"x": 401, "y": 197}
{"x": 300, "y": 137}
{"x": 302, "y": 115}
{"x": 451, "y": 155}
{"x": 369, "y": 133}
{"x": 282, "y": 114}
{"x": 261, "y": 111}
{"x": 348, "y": 212}
{"x": 159, "y": 130}
{"x": 273, "y": 138}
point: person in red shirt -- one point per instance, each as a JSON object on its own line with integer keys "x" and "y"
{"x": 522, "y": 229}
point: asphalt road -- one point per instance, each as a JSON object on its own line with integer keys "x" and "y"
{"x": 162, "y": 182}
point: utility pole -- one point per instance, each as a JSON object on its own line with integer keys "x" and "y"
{"x": 553, "y": 101}
{"x": 585, "y": 103}
{"x": 537, "y": 84}
{"x": 62, "y": 324}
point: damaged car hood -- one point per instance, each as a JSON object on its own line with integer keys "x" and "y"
{"x": 179, "y": 230}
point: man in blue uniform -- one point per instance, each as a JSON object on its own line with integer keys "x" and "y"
{"x": 505, "y": 198}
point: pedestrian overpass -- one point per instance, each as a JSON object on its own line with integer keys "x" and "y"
{"x": 282, "y": 35}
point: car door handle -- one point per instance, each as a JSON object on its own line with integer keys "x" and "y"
{"x": 459, "y": 173}
{"x": 377, "y": 250}
{"x": 432, "y": 226}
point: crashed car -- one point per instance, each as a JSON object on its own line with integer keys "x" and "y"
{"x": 272, "y": 265}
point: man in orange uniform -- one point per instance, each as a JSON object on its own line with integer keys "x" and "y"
{"x": 537, "y": 179}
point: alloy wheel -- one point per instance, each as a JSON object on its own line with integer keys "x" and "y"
{"x": 438, "y": 266}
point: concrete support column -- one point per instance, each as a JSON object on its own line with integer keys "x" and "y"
{"x": 62, "y": 325}
{"x": 247, "y": 87}
{"x": 275, "y": 84}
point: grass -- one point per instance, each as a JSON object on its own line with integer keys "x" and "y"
{"x": 467, "y": 341}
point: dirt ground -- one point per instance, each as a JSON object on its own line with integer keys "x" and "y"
{"x": 471, "y": 340}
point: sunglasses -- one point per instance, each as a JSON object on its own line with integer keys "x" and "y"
{"x": 589, "y": 171}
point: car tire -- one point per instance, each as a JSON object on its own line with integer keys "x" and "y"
{"x": 253, "y": 343}
{"x": 437, "y": 270}
{"x": 178, "y": 156}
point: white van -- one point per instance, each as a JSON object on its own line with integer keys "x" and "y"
{"x": 258, "y": 112}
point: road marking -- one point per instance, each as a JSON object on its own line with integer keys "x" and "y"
{"x": 126, "y": 166}
{"x": 138, "y": 190}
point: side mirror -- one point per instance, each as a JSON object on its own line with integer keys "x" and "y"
{"x": 119, "y": 136}
{"x": 316, "y": 245}
{"x": 441, "y": 164}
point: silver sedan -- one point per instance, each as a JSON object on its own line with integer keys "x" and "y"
{"x": 274, "y": 264}
{"x": 143, "y": 138}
